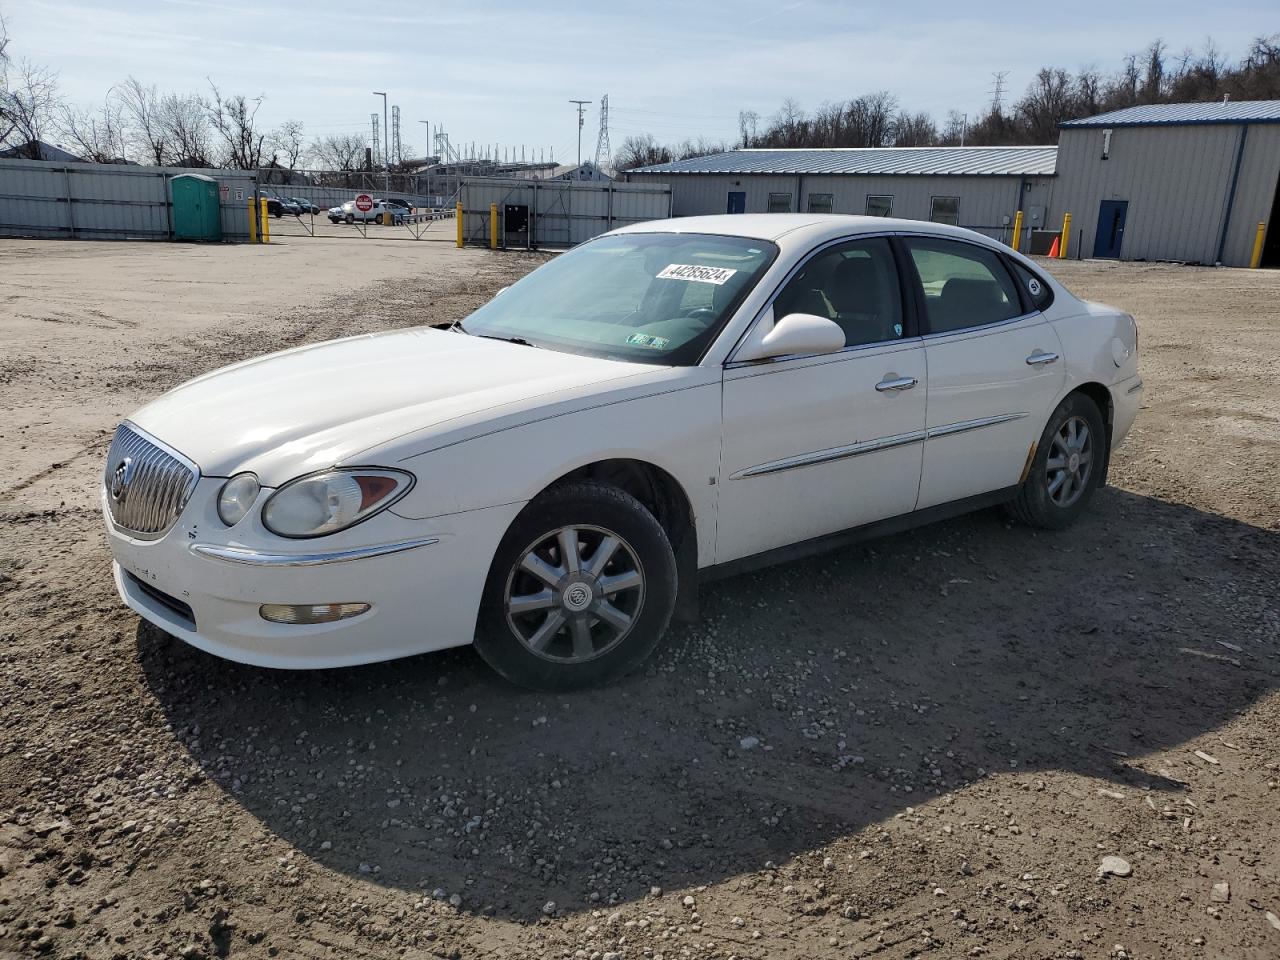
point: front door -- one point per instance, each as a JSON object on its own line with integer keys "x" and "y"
{"x": 995, "y": 371}
{"x": 737, "y": 202}
{"x": 1110, "y": 235}
{"x": 814, "y": 445}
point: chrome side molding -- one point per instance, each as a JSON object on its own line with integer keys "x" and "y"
{"x": 261, "y": 559}
{"x": 871, "y": 446}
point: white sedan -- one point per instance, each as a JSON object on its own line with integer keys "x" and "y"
{"x": 553, "y": 477}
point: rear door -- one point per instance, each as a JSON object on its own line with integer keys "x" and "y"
{"x": 995, "y": 370}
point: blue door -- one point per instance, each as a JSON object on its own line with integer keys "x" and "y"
{"x": 1110, "y": 234}
{"x": 737, "y": 201}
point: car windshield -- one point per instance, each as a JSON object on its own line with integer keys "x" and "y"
{"x": 656, "y": 298}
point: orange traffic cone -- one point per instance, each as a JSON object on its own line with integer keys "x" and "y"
{"x": 1053, "y": 250}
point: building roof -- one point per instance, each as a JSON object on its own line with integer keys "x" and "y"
{"x": 954, "y": 161}
{"x": 45, "y": 151}
{"x": 1171, "y": 114}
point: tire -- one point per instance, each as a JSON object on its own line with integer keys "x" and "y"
{"x": 351, "y": 218}
{"x": 1041, "y": 500}
{"x": 589, "y": 645}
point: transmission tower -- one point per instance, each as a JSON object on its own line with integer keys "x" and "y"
{"x": 377, "y": 144}
{"x": 997, "y": 91}
{"x": 603, "y": 152}
{"x": 394, "y": 153}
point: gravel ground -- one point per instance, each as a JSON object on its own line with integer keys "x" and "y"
{"x": 971, "y": 740}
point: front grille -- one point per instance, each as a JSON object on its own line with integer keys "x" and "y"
{"x": 172, "y": 604}
{"x": 147, "y": 483}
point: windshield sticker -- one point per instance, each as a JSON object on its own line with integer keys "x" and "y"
{"x": 696, "y": 273}
{"x": 648, "y": 340}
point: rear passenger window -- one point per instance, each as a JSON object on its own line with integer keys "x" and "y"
{"x": 965, "y": 285}
{"x": 1037, "y": 290}
{"x": 855, "y": 284}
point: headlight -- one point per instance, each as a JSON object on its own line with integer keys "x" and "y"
{"x": 331, "y": 501}
{"x": 236, "y": 497}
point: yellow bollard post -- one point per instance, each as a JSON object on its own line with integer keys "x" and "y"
{"x": 264, "y": 231}
{"x": 1017, "y": 230}
{"x": 493, "y": 226}
{"x": 457, "y": 214}
{"x": 1257, "y": 246}
{"x": 1066, "y": 236}
{"x": 253, "y": 221}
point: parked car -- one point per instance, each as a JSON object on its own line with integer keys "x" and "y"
{"x": 306, "y": 206}
{"x": 555, "y": 475}
{"x": 275, "y": 207}
{"x": 379, "y": 213}
{"x": 403, "y": 207}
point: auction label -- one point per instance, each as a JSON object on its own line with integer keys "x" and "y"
{"x": 696, "y": 273}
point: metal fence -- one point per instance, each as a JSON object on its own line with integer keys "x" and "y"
{"x": 556, "y": 213}
{"x": 95, "y": 201}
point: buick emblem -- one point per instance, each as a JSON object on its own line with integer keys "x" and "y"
{"x": 120, "y": 478}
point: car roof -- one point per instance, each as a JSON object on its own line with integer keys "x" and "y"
{"x": 799, "y": 228}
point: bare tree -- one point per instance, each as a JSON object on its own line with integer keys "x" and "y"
{"x": 28, "y": 107}
{"x": 747, "y": 122}
{"x": 184, "y": 119}
{"x": 233, "y": 119}
{"x": 147, "y": 131}
{"x": 287, "y": 143}
{"x": 914, "y": 130}
{"x": 98, "y": 135}
{"x": 337, "y": 151}
{"x": 641, "y": 151}
{"x": 1048, "y": 101}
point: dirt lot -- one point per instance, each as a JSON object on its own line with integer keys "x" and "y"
{"x": 920, "y": 746}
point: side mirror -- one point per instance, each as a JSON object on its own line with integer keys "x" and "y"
{"x": 796, "y": 333}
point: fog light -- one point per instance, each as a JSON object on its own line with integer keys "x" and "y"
{"x": 310, "y": 612}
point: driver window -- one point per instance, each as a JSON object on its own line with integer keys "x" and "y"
{"x": 856, "y": 285}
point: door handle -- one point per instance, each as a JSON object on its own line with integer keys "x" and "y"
{"x": 898, "y": 383}
{"x": 1038, "y": 358}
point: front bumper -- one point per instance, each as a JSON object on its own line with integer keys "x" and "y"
{"x": 204, "y": 583}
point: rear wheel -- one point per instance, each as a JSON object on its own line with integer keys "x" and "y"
{"x": 1067, "y": 468}
{"x": 351, "y": 218}
{"x": 580, "y": 591}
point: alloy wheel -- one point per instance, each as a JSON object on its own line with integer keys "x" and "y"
{"x": 575, "y": 593}
{"x": 1070, "y": 462}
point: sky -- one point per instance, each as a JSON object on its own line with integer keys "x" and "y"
{"x": 504, "y": 72}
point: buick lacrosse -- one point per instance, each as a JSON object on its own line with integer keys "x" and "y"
{"x": 552, "y": 477}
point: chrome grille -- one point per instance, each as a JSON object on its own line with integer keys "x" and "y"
{"x": 147, "y": 483}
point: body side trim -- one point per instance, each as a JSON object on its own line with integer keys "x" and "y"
{"x": 259, "y": 558}
{"x": 870, "y": 446}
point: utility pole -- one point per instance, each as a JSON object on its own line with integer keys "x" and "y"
{"x": 426, "y": 155}
{"x": 396, "y": 152}
{"x": 581, "y": 104}
{"x": 386, "y": 166}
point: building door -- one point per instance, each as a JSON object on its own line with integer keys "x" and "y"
{"x": 737, "y": 202}
{"x": 1271, "y": 245}
{"x": 1111, "y": 215}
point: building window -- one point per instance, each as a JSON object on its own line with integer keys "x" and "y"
{"x": 880, "y": 206}
{"x": 779, "y": 203}
{"x": 945, "y": 210}
{"x": 820, "y": 203}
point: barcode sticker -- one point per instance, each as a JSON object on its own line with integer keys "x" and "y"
{"x": 696, "y": 273}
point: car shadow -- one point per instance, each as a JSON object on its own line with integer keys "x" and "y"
{"x": 810, "y": 701}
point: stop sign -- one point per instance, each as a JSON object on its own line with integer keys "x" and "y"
{"x": 364, "y": 203}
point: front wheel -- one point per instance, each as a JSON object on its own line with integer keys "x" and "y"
{"x": 1068, "y": 466}
{"x": 580, "y": 591}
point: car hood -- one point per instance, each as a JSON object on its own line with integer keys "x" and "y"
{"x": 314, "y": 407}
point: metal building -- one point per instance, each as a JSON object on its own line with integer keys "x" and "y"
{"x": 1180, "y": 181}
{"x": 976, "y": 187}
